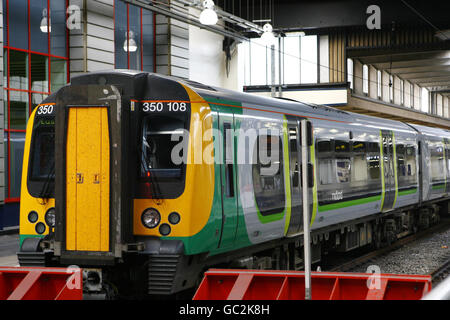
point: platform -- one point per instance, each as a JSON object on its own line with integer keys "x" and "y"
{"x": 9, "y": 245}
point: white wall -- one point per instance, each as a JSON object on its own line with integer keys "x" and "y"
{"x": 207, "y": 60}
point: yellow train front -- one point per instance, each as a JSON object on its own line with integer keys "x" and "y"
{"x": 108, "y": 183}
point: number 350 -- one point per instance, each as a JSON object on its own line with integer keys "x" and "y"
{"x": 45, "y": 109}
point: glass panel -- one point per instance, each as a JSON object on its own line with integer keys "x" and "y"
{"x": 365, "y": 79}
{"x": 39, "y": 73}
{"x": 259, "y": 62}
{"x": 5, "y": 107}
{"x": 18, "y": 109}
{"x": 374, "y": 167}
{"x": 18, "y": 24}
{"x": 391, "y": 88}
{"x": 437, "y": 162}
{"x": 58, "y": 28}
{"x": 38, "y": 26}
{"x": 17, "y": 145}
{"x": 18, "y": 71}
{"x": 5, "y": 30}
{"x": 269, "y": 183}
{"x": 37, "y": 98}
{"x": 5, "y": 68}
{"x": 147, "y": 40}
{"x": 350, "y": 72}
{"x": 309, "y": 59}
{"x": 120, "y": 34}
{"x": 134, "y": 38}
{"x": 5, "y": 145}
{"x": 379, "y": 83}
{"x": 58, "y": 73}
{"x": 291, "y": 60}
{"x": 424, "y": 100}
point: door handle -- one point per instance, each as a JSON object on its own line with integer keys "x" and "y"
{"x": 96, "y": 178}
{"x": 80, "y": 178}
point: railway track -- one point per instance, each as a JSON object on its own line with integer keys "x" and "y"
{"x": 357, "y": 262}
{"x": 441, "y": 273}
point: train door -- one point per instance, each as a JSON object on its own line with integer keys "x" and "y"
{"x": 228, "y": 179}
{"x": 87, "y": 178}
{"x": 388, "y": 163}
{"x": 296, "y": 219}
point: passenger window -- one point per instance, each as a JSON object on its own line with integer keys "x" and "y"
{"x": 341, "y": 146}
{"x": 268, "y": 178}
{"x": 437, "y": 162}
{"x": 374, "y": 167}
{"x": 359, "y": 172}
{"x": 343, "y": 170}
{"x": 334, "y": 166}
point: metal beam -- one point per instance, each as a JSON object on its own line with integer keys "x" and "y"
{"x": 395, "y": 57}
{"x": 424, "y": 68}
{"x": 428, "y": 80}
{"x": 412, "y": 63}
{"x": 425, "y": 75}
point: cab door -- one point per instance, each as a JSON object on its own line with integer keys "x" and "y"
{"x": 87, "y": 178}
{"x": 228, "y": 178}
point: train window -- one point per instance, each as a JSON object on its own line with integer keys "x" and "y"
{"x": 343, "y": 170}
{"x": 324, "y": 146}
{"x": 157, "y": 147}
{"x": 447, "y": 157}
{"x": 359, "y": 172}
{"x": 437, "y": 164}
{"x": 401, "y": 164}
{"x": 359, "y": 147}
{"x": 268, "y": 177}
{"x": 373, "y": 163}
{"x": 341, "y": 146}
{"x": 41, "y": 173}
{"x": 373, "y": 147}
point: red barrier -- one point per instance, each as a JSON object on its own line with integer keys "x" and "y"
{"x": 220, "y": 284}
{"x": 29, "y": 283}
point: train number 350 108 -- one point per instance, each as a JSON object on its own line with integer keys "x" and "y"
{"x": 164, "y": 106}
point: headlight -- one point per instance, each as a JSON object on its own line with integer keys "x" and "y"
{"x": 50, "y": 217}
{"x": 150, "y": 218}
{"x": 40, "y": 228}
{"x": 33, "y": 216}
{"x": 174, "y": 217}
{"x": 164, "y": 229}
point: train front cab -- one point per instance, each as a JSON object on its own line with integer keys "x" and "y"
{"x": 98, "y": 199}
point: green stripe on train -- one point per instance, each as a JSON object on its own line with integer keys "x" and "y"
{"x": 345, "y": 204}
{"x": 406, "y": 192}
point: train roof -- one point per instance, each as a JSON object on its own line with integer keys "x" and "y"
{"x": 278, "y": 104}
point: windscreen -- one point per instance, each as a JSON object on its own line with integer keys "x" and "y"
{"x": 163, "y": 156}
{"x": 41, "y": 168}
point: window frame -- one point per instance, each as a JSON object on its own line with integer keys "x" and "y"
{"x": 7, "y": 49}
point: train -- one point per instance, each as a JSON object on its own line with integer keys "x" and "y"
{"x": 145, "y": 181}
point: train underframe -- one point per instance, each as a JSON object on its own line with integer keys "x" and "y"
{"x": 162, "y": 270}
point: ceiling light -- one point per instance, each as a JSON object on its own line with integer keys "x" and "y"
{"x": 268, "y": 37}
{"x": 45, "y": 25}
{"x": 208, "y": 15}
{"x": 130, "y": 44}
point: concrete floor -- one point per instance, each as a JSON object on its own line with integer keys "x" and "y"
{"x": 9, "y": 245}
